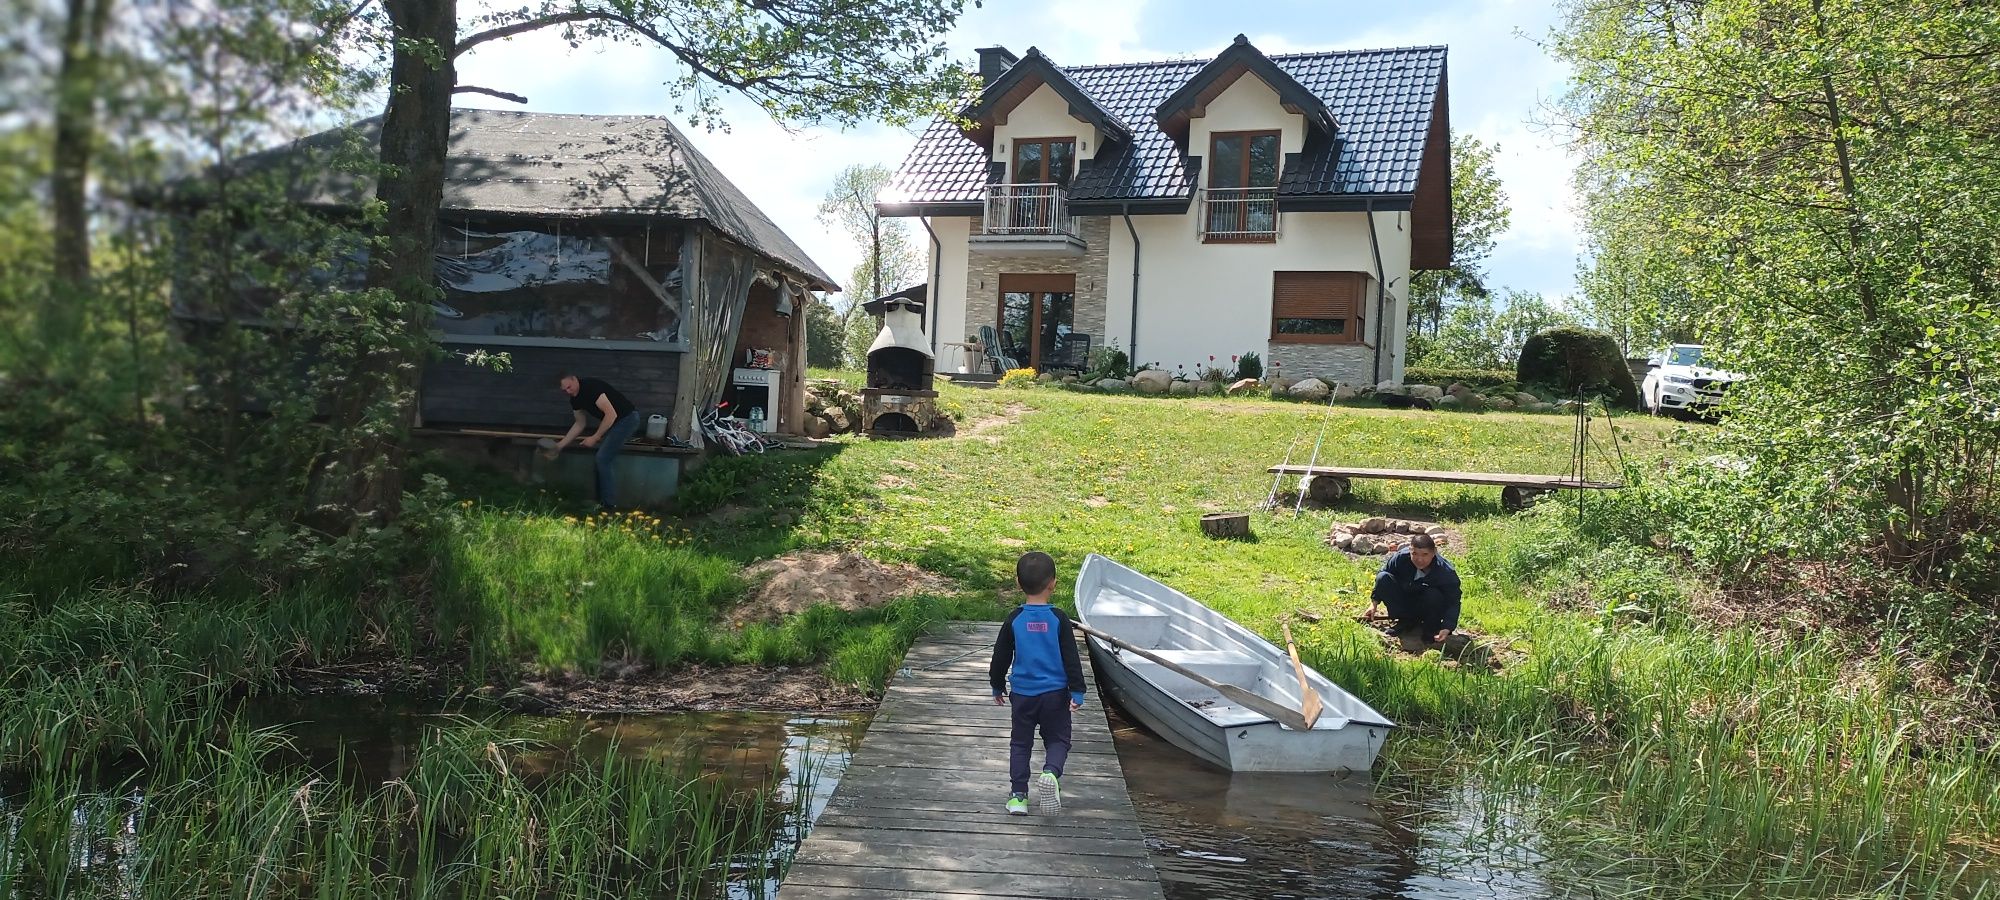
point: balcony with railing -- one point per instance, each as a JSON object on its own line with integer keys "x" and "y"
{"x": 1239, "y": 215}
{"x": 1028, "y": 220}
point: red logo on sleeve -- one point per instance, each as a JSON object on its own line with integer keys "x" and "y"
{"x": 1038, "y": 627}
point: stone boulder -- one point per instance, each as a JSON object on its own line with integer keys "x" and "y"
{"x": 817, "y": 427}
{"x": 1390, "y": 387}
{"x": 1152, "y": 381}
{"x": 1448, "y": 402}
{"x": 1364, "y": 544}
{"x": 1525, "y": 399}
{"x": 1046, "y": 377}
{"x": 1207, "y": 388}
{"x": 1429, "y": 392}
{"x": 1246, "y": 384}
{"x": 1181, "y": 388}
{"x": 1281, "y": 385}
{"x": 1373, "y": 525}
{"x": 1310, "y": 389}
{"x": 1500, "y": 403}
{"x": 1115, "y": 385}
{"x": 1343, "y": 391}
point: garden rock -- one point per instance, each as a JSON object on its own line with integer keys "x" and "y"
{"x": 1389, "y": 387}
{"x": 1526, "y": 399}
{"x": 1451, "y": 402}
{"x": 1152, "y": 381}
{"x": 1206, "y": 388}
{"x": 1181, "y": 389}
{"x": 1113, "y": 384}
{"x": 1429, "y": 392}
{"x": 1046, "y": 377}
{"x": 1343, "y": 392}
{"x": 1501, "y": 403}
{"x": 1281, "y": 385}
{"x": 1310, "y": 389}
{"x": 1242, "y": 385}
{"x": 817, "y": 427}
{"x": 837, "y": 420}
{"x": 1373, "y": 525}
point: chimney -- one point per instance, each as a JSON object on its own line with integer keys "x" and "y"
{"x": 993, "y": 62}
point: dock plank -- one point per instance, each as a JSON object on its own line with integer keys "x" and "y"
{"x": 919, "y": 812}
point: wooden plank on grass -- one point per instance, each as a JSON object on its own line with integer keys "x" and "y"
{"x": 1497, "y": 479}
{"x": 919, "y": 812}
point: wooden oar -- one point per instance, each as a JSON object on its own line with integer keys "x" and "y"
{"x": 1284, "y": 715}
{"x": 1309, "y": 702}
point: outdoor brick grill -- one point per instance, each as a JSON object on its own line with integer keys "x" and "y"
{"x": 899, "y": 400}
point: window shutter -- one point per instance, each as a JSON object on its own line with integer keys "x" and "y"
{"x": 1317, "y": 295}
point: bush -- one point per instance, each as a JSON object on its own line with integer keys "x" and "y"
{"x": 1249, "y": 365}
{"x": 1108, "y": 362}
{"x": 1482, "y": 380}
{"x": 1018, "y": 378}
{"x": 1571, "y": 360}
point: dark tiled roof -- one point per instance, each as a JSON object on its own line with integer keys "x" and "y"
{"x": 561, "y": 166}
{"x": 1040, "y": 68}
{"x": 1382, "y": 100}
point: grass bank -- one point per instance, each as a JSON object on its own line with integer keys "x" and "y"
{"x": 1669, "y": 750}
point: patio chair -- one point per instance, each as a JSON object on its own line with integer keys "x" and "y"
{"x": 1072, "y": 354}
{"x": 999, "y": 349}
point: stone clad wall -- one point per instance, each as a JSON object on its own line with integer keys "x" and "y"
{"x": 1350, "y": 364}
{"x": 982, "y": 282}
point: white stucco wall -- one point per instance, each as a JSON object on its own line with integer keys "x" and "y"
{"x": 1200, "y": 299}
{"x": 949, "y": 292}
{"x": 1043, "y": 115}
{"x": 1247, "y": 105}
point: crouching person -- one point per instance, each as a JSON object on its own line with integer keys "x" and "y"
{"x": 1420, "y": 590}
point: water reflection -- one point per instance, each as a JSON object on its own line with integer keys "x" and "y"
{"x": 1216, "y": 835}
{"x": 369, "y": 742}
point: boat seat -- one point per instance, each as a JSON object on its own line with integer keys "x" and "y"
{"x": 1131, "y": 620}
{"x": 1227, "y": 666}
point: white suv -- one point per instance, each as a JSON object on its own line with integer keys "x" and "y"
{"x": 1678, "y": 382}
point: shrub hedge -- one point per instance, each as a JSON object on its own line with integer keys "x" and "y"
{"x": 1571, "y": 360}
{"x": 1482, "y": 380}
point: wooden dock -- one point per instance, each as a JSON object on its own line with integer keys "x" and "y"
{"x": 920, "y": 813}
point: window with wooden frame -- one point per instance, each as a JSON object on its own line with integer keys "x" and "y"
{"x": 1319, "y": 308}
{"x": 1241, "y": 203}
{"x": 1043, "y": 160}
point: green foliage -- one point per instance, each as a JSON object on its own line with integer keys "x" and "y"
{"x": 858, "y": 335}
{"x": 1480, "y": 334}
{"x": 891, "y": 255}
{"x": 1811, "y": 189}
{"x": 1479, "y": 214}
{"x": 1108, "y": 362}
{"x": 1249, "y": 365}
{"x": 1570, "y": 361}
{"x": 825, "y": 335}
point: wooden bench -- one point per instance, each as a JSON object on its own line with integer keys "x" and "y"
{"x": 1516, "y": 490}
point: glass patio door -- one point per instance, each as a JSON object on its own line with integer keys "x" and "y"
{"x": 1037, "y": 315}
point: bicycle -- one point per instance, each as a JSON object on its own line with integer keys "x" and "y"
{"x": 730, "y": 433}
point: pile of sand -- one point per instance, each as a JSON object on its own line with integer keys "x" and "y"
{"x": 789, "y": 584}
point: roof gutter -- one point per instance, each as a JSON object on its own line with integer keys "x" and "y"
{"x": 1133, "y": 358}
{"x": 937, "y": 264}
{"x": 1381, "y": 291}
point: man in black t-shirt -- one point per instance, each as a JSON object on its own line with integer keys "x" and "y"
{"x": 618, "y": 420}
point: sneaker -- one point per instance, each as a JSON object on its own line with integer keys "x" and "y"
{"x": 1017, "y": 805}
{"x": 1048, "y": 792}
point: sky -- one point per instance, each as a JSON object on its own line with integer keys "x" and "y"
{"x": 1501, "y": 82}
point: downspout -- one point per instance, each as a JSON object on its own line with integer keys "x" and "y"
{"x": 1381, "y": 292}
{"x": 937, "y": 266}
{"x": 1133, "y": 350}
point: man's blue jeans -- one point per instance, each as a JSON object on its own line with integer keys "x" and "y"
{"x": 607, "y": 455}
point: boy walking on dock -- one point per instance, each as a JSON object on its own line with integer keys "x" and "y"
{"x": 1036, "y": 651}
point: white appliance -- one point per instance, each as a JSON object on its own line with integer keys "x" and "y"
{"x": 757, "y": 389}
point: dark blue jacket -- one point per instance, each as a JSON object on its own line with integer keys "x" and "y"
{"x": 1038, "y": 644}
{"x": 1401, "y": 570}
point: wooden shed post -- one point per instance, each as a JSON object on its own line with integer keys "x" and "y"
{"x": 694, "y": 321}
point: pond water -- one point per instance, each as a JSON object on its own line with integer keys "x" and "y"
{"x": 1415, "y": 829}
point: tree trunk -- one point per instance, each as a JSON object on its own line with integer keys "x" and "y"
{"x": 416, "y": 130}
{"x": 75, "y": 135}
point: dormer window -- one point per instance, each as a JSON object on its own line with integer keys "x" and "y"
{"x": 1241, "y": 203}
{"x": 1043, "y": 161}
